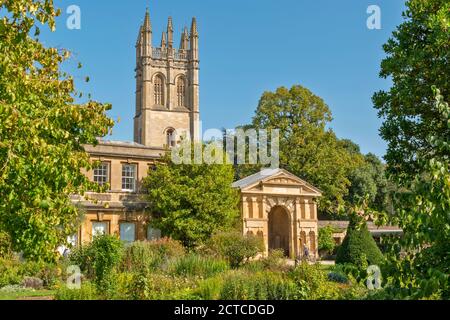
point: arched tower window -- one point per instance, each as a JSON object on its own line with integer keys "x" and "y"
{"x": 170, "y": 138}
{"x": 159, "y": 90}
{"x": 181, "y": 92}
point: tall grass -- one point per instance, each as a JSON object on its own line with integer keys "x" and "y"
{"x": 198, "y": 266}
{"x": 151, "y": 255}
{"x": 258, "y": 286}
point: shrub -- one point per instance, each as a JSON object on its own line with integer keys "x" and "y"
{"x": 151, "y": 255}
{"x": 315, "y": 281}
{"x": 326, "y": 241}
{"x": 9, "y": 272}
{"x": 235, "y": 247}
{"x": 337, "y": 277}
{"x": 240, "y": 285}
{"x": 5, "y": 245}
{"x": 254, "y": 266}
{"x": 82, "y": 257}
{"x": 106, "y": 254}
{"x": 99, "y": 260}
{"x": 86, "y": 292}
{"x": 275, "y": 261}
{"x": 199, "y": 266}
{"x": 359, "y": 247}
{"x": 123, "y": 287}
{"x": 210, "y": 289}
{"x": 160, "y": 287}
{"x": 13, "y": 272}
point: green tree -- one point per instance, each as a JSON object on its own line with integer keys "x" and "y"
{"x": 359, "y": 247}
{"x": 417, "y": 58}
{"x": 189, "y": 202}
{"x": 368, "y": 183}
{"x": 307, "y": 148}
{"x": 42, "y": 133}
{"x": 326, "y": 241}
{"x": 417, "y": 129}
{"x": 422, "y": 210}
{"x": 235, "y": 247}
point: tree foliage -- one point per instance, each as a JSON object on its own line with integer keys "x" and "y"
{"x": 359, "y": 247}
{"x": 307, "y": 148}
{"x": 189, "y": 202}
{"x": 326, "y": 241}
{"x": 368, "y": 182}
{"x": 417, "y": 58}
{"x": 42, "y": 132}
{"x": 235, "y": 247}
{"x": 417, "y": 129}
{"x": 422, "y": 210}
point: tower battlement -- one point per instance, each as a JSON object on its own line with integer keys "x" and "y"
{"x": 167, "y": 86}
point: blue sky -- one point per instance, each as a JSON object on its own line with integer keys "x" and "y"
{"x": 246, "y": 48}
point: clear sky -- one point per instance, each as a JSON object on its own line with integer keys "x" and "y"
{"x": 246, "y": 48}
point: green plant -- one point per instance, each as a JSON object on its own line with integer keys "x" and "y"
{"x": 13, "y": 271}
{"x": 326, "y": 241}
{"x": 337, "y": 277}
{"x": 199, "y": 266}
{"x": 9, "y": 272}
{"x": 210, "y": 289}
{"x": 153, "y": 286}
{"x": 151, "y": 255}
{"x": 106, "y": 252}
{"x": 235, "y": 247}
{"x": 123, "y": 287}
{"x": 43, "y": 129}
{"x": 314, "y": 280}
{"x": 239, "y": 285}
{"x": 359, "y": 247}
{"x": 192, "y": 200}
{"x": 99, "y": 260}
{"x": 81, "y": 256}
{"x": 5, "y": 245}
{"x": 87, "y": 291}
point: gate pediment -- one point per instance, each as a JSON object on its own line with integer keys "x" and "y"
{"x": 277, "y": 182}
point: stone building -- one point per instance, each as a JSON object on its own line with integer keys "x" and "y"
{"x": 282, "y": 209}
{"x": 167, "y": 106}
{"x": 275, "y": 204}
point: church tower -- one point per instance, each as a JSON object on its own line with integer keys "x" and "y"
{"x": 167, "y": 86}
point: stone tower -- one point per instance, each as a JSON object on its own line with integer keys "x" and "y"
{"x": 167, "y": 87}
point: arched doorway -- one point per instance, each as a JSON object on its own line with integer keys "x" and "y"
{"x": 279, "y": 229}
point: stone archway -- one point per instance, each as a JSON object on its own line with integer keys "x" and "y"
{"x": 279, "y": 226}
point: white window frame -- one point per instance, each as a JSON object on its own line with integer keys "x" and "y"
{"x": 126, "y": 177}
{"x": 102, "y": 172}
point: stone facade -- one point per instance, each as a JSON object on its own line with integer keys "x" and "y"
{"x": 167, "y": 87}
{"x": 282, "y": 209}
{"x": 167, "y": 106}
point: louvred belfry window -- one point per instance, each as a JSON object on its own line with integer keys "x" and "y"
{"x": 159, "y": 90}
{"x": 181, "y": 92}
